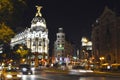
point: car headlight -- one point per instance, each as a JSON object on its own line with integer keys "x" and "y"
{"x": 17, "y": 68}
{"x": 29, "y": 73}
{"x": 32, "y": 68}
{"x": 24, "y": 69}
{"x": 0, "y": 67}
{"x": 9, "y": 76}
{"x": 19, "y": 75}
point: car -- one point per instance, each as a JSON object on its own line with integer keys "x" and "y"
{"x": 25, "y": 69}
{"x": 10, "y": 74}
{"x": 79, "y": 70}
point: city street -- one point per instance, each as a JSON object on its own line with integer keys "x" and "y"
{"x": 59, "y": 40}
{"x": 56, "y": 76}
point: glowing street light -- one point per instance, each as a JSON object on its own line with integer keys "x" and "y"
{"x": 101, "y": 58}
{"x": 84, "y": 40}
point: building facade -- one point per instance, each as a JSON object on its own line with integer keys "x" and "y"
{"x": 35, "y": 38}
{"x": 106, "y": 37}
{"x": 63, "y": 50}
{"x": 86, "y": 49}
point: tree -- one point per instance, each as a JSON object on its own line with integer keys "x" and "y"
{"x": 22, "y": 50}
{"x": 11, "y": 11}
{"x": 5, "y": 36}
{"x": 6, "y": 10}
{"x": 6, "y": 33}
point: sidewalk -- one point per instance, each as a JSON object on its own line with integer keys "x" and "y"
{"x": 108, "y": 74}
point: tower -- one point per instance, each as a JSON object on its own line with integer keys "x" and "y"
{"x": 62, "y": 49}
{"x": 59, "y": 46}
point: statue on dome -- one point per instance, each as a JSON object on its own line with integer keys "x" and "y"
{"x": 38, "y": 11}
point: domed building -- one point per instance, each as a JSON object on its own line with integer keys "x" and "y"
{"x": 35, "y": 38}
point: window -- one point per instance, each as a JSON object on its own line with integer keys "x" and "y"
{"x": 40, "y": 43}
{"x": 58, "y": 36}
{"x": 62, "y": 36}
{"x": 34, "y": 43}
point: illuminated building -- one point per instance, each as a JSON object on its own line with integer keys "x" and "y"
{"x": 35, "y": 38}
{"x": 86, "y": 49}
{"x": 63, "y": 50}
{"x": 106, "y": 37}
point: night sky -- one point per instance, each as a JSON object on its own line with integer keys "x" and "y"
{"x": 74, "y": 16}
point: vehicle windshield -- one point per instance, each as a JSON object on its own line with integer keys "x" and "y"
{"x": 11, "y": 70}
{"x": 24, "y": 66}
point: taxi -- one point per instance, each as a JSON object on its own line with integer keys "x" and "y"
{"x": 10, "y": 74}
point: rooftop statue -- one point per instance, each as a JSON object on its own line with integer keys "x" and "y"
{"x": 38, "y": 11}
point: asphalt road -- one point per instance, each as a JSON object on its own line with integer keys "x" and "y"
{"x": 41, "y": 75}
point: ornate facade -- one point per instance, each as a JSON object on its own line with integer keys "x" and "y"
{"x": 63, "y": 50}
{"x": 35, "y": 38}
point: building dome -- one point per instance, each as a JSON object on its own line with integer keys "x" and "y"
{"x": 38, "y": 19}
{"x": 38, "y": 22}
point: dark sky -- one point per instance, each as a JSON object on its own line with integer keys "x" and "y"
{"x": 75, "y": 16}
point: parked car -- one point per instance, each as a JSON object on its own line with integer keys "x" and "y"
{"x": 10, "y": 74}
{"x": 25, "y": 69}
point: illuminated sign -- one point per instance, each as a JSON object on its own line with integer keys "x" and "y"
{"x": 60, "y": 47}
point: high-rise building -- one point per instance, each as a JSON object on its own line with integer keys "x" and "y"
{"x": 35, "y": 38}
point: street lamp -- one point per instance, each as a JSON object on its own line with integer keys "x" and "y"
{"x": 101, "y": 59}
